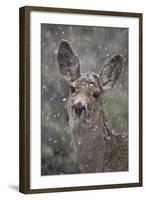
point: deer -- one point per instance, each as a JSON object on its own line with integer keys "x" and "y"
{"x": 97, "y": 147}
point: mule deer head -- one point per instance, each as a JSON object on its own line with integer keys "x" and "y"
{"x": 92, "y": 138}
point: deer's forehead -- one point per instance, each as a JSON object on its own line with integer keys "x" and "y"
{"x": 89, "y": 80}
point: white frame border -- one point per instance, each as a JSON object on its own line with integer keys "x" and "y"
{"x": 56, "y": 181}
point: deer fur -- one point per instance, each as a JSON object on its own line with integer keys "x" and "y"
{"x": 97, "y": 147}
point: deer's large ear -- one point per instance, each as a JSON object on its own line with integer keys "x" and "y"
{"x": 68, "y": 62}
{"x": 111, "y": 71}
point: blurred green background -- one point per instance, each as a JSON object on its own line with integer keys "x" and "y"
{"x": 93, "y": 45}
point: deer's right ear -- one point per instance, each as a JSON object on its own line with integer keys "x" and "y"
{"x": 68, "y": 62}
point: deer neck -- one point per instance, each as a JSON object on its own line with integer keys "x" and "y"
{"x": 90, "y": 136}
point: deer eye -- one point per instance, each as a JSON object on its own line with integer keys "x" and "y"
{"x": 96, "y": 94}
{"x": 72, "y": 89}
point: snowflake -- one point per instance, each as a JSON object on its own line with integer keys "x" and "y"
{"x": 64, "y": 99}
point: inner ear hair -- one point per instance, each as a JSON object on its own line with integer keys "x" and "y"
{"x": 68, "y": 62}
{"x": 111, "y": 71}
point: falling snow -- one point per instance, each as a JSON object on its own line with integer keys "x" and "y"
{"x": 64, "y": 99}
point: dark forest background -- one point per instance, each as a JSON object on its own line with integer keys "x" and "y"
{"x": 93, "y": 45}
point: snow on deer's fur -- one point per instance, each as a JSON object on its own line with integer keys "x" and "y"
{"x": 97, "y": 148}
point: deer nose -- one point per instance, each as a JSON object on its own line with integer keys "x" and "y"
{"x": 79, "y": 108}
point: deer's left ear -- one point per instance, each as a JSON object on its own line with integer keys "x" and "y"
{"x": 68, "y": 62}
{"x": 111, "y": 71}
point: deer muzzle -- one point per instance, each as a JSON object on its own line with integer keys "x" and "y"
{"x": 79, "y": 108}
